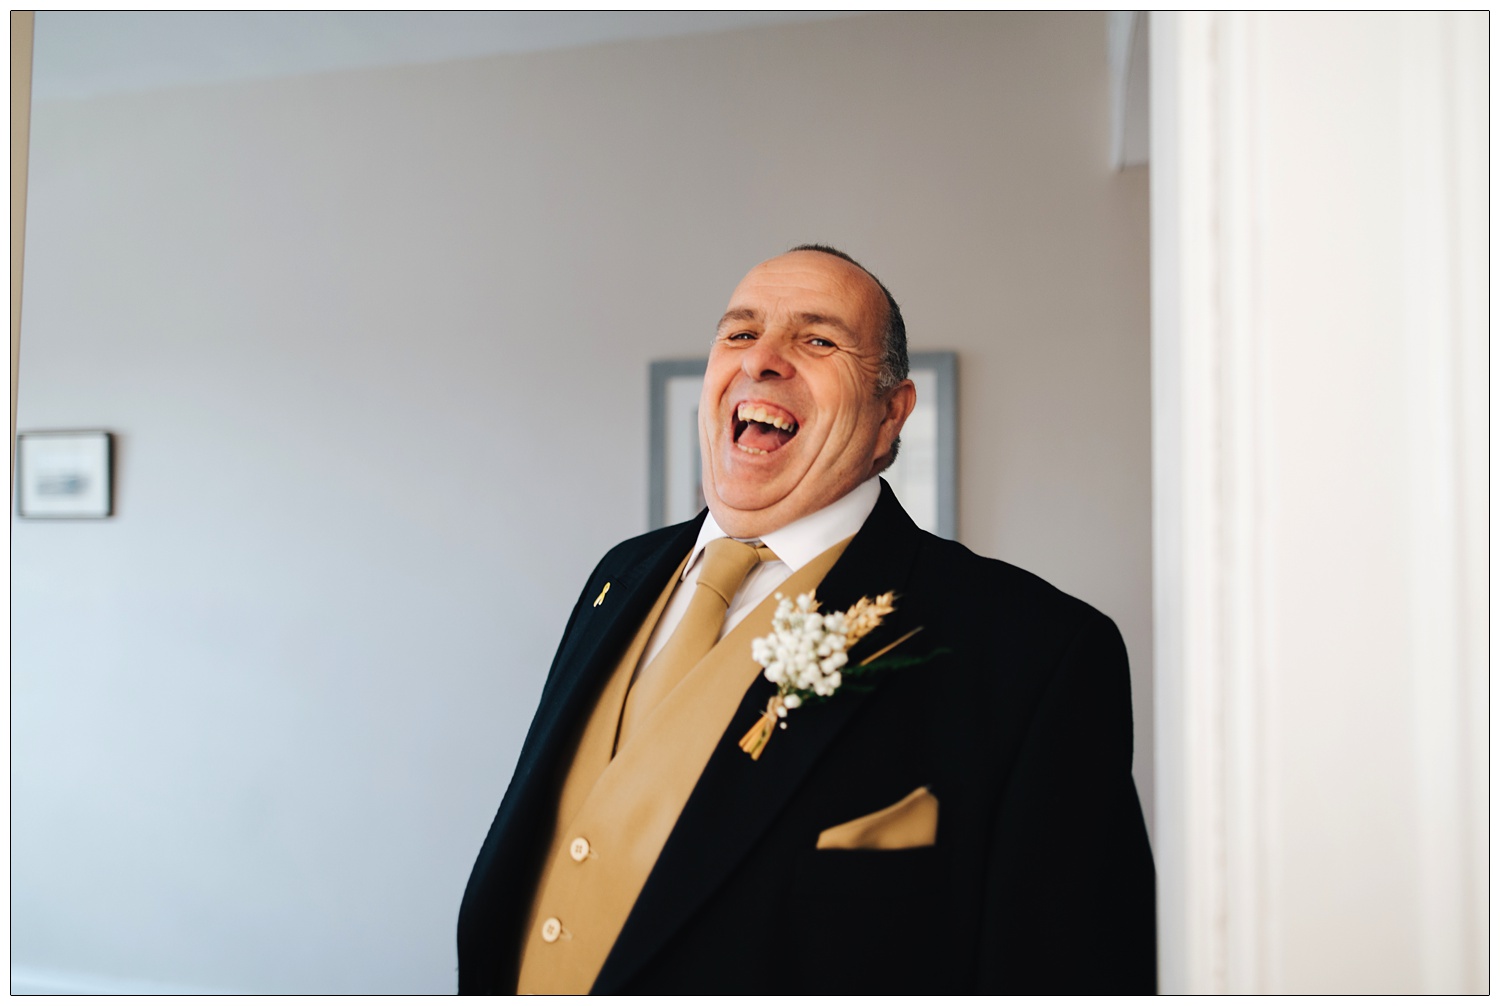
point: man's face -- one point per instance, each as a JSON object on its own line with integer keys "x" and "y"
{"x": 789, "y": 421}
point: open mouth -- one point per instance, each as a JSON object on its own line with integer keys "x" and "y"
{"x": 760, "y": 428}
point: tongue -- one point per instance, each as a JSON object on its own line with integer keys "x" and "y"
{"x": 764, "y": 437}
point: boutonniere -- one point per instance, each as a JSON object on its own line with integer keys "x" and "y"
{"x": 806, "y": 657}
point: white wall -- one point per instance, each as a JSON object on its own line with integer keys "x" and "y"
{"x": 1320, "y": 271}
{"x": 375, "y": 347}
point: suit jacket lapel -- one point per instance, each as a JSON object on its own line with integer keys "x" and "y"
{"x": 594, "y": 644}
{"x": 737, "y": 797}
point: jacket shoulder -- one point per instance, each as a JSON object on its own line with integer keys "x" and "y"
{"x": 975, "y": 584}
{"x": 650, "y": 542}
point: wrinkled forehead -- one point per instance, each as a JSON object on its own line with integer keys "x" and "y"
{"x": 809, "y": 283}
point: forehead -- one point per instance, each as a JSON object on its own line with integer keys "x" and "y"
{"x": 810, "y": 283}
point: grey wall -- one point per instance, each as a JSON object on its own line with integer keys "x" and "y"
{"x": 375, "y": 346}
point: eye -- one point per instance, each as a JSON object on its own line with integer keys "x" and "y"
{"x": 818, "y": 340}
{"x": 739, "y": 336}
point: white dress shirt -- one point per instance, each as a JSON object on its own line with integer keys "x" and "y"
{"x": 795, "y": 546}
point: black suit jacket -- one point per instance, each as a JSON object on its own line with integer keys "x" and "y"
{"x": 1041, "y": 878}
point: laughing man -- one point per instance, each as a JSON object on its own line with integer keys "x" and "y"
{"x": 695, "y": 811}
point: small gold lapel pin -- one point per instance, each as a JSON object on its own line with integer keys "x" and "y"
{"x": 600, "y": 599}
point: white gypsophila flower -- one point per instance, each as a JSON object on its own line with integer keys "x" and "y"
{"x": 805, "y": 652}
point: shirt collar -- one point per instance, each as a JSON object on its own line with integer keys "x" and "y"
{"x": 805, "y": 538}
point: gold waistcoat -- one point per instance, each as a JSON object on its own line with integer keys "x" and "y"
{"x": 614, "y": 813}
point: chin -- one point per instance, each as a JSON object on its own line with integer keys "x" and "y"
{"x": 743, "y": 483}
{"x": 741, "y": 513}
{"x": 744, "y": 504}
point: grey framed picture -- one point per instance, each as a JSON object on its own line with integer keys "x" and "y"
{"x": 64, "y": 474}
{"x": 924, "y": 476}
{"x": 676, "y": 466}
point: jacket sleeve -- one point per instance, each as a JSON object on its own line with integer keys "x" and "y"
{"x": 1070, "y": 899}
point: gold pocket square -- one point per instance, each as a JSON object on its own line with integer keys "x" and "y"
{"x": 909, "y": 824}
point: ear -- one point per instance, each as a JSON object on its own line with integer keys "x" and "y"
{"x": 898, "y": 405}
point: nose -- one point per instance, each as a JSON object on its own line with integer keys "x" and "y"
{"x": 766, "y": 360}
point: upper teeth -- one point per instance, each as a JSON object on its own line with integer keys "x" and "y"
{"x": 755, "y": 413}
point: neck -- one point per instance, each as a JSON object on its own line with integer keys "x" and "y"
{"x": 853, "y": 506}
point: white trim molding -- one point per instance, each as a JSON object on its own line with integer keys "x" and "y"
{"x": 1206, "y": 578}
{"x": 1319, "y": 284}
{"x": 1445, "y": 209}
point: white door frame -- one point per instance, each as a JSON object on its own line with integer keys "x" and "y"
{"x": 1240, "y": 672}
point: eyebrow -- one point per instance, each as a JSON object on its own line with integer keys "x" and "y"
{"x": 802, "y": 319}
{"x": 739, "y": 314}
{"x": 807, "y": 318}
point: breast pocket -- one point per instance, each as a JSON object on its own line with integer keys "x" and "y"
{"x": 909, "y": 823}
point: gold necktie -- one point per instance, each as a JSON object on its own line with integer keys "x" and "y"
{"x": 726, "y": 563}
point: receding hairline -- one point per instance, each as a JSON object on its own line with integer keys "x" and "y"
{"x": 882, "y": 296}
{"x": 855, "y": 266}
{"x": 875, "y": 289}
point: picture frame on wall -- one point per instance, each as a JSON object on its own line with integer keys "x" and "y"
{"x": 65, "y": 475}
{"x": 675, "y": 465}
{"x": 924, "y": 476}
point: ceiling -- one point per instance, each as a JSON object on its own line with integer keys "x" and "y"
{"x": 87, "y": 54}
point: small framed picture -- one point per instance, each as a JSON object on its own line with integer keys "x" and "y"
{"x": 64, "y": 474}
{"x": 924, "y": 477}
